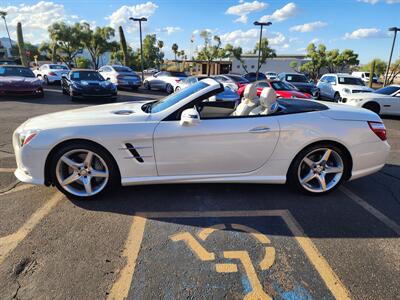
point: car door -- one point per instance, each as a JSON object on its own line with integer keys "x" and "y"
{"x": 330, "y": 86}
{"x": 321, "y": 85}
{"x": 156, "y": 81}
{"x": 396, "y": 104}
{"x": 229, "y": 145}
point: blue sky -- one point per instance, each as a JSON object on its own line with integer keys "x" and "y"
{"x": 360, "y": 25}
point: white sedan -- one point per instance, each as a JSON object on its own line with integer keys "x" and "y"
{"x": 185, "y": 138}
{"x": 51, "y": 73}
{"x": 164, "y": 80}
{"x": 385, "y": 101}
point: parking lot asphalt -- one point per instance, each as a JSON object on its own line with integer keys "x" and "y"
{"x": 196, "y": 241}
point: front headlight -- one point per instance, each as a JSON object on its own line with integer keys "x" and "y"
{"x": 25, "y": 137}
{"x": 346, "y": 90}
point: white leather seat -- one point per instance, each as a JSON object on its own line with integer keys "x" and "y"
{"x": 249, "y": 101}
{"x": 268, "y": 104}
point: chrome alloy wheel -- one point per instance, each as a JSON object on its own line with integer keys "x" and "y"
{"x": 320, "y": 170}
{"x": 82, "y": 172}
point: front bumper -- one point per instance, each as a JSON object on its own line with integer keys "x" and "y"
{"x": 28, "y": 91}
{"x": 82, "y": 93}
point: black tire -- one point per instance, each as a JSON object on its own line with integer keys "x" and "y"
{"x": 336, "y": 97}
{"x": 114, "y": 180}
{"x": 46, "y": 80}
{"x": 64, "y": 91}
{"x": 373, "y": 106}
{"x": 146, "y": 85}
{"x": 292, "y": 175}
{"x": 135, "y": 88}
{"x": 169, "y": 89}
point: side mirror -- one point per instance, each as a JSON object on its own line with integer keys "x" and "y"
{"x": 64, "y": 75}
{"x": 190, "y": 117}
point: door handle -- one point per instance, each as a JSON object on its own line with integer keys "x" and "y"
{"x": 259, "y": 129}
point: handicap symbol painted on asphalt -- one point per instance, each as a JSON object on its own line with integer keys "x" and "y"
{"x": 194, "y": 244}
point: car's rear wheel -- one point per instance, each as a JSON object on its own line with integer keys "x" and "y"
{"x": 46, "y": 80}
{"x": 146, "y": 85}
{"x": 318, "y": 169}
{"x": 169, "y": 89}
{"x": 83, "y": 170}
{"x": 336, "y": 97}
{"x": 372, "y": 106}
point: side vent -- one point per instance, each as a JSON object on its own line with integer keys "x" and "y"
{"x": 134, "y": 152}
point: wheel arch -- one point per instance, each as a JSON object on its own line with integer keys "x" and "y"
{"x": 47, "y": 174}
{"x": 332, "y": 142}
{"x": 372, "y": 102}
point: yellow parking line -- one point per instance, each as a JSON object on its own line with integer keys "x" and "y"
{"x": 10, "y": 242}
{"x": 372, "y": 210}
{"x": 121, "y": 287}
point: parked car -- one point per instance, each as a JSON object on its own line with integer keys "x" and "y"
{"x": 282, "y": 89}
{"x": 121, "y": 76}
{"x": 252, "y": 76}
{"x": 385, "y": 101}
{"x": 150, "y": 71}
{"x": 85, "y": 152}
{"x": 271, "y": 75}
{"x": 231, "y": 80}
{"x": 87, "y": 84}
{"x": 337, "y": 86}
{"x": 51, "y": 73}
{"x": 228, "y": 94}
{"x": 365, "y": 76}
{"x": 301, "y": 82}
{"x": 164, "y": 80}
{"x": 19, "y": 80}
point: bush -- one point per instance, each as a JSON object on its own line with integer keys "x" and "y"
{"x": 83, "y": 63}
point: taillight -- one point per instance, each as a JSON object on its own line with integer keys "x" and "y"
{"x": 52, "y": 74}
{"x": 379, "y": 129}
{"x": 177, "y": 80}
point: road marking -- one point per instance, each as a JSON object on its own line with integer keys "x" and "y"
{"x": 10, "y": 242}
{"x": 226, "y": 268}
{"x": 7, "y": 170}
{"x": 121, "y": 287}
{"x": 372, "y": 210}
{"x": 18, "y": 188}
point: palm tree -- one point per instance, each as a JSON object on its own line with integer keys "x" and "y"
{"x": 175, "y": 49}
{"x": 3, "y": 15}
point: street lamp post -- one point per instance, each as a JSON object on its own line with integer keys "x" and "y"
{"x": 261, "y": 24}
{"x": 140, "y": 20}
{"x": 395, "y": 29}
{"x": 3, "y": 15}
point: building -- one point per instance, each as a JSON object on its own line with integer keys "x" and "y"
{"x": 279, "y": 64}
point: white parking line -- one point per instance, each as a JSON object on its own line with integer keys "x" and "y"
{"x": 10, "y": 242}
{"x": 7, "y": 170}
{"x": 372, "y": 210}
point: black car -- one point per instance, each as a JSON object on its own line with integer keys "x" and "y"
{"x": 252, "y": 76}
{"x": 87, "y": 84}
{"x": 301, "y": 82}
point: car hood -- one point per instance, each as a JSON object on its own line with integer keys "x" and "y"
{"x": 357, "y": 87}
{"x": 368, "y": 96}
{"x": 18, "y": 80}
{"x": 116, "y": 113}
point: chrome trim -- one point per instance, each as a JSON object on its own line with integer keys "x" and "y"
{"x": 141, "y": 156}
{"x": 136, "y": 147}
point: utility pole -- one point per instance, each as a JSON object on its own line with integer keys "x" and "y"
{"x": 140, "y": 20}
{"x": 261, "y": 24}
{"x": 395, "y": 29}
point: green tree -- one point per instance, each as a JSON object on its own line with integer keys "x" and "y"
{"x": 317, "y": 61}
{"x": 150, "y": 51}
{"x": 31, "y": 51}
{"x": 211, "y": 49}
{"x": 266, "y": 52}
{"x": 83, "y": 62}
{"x": 175, "y": 49}
{"x": 118, "y": 56}
{"x": 333, "y": 60}
{"x": 236, "y": 52}
{"x": 380, "y": 66}
{"x": 21, "y": 45}
{"x": 68, "y": 39}
{"x": 97, "y": 41}
{"x": 160, "y": 54}
{"x": 124, "y": 47}
{"x": 347, "y": 59}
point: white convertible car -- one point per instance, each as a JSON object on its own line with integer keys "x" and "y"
{"x": 186, "y": 138}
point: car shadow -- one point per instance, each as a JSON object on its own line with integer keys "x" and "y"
{"x": 334, "y": 215}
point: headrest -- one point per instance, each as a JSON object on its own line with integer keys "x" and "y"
{"x": 268, "y": 99}
{"x": 250, "y": 92}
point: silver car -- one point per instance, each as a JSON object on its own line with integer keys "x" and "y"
{"x": 229, "y": 94}
{"x": 121, "y": 76}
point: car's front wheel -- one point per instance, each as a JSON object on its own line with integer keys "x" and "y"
{"x": 169, "y": 89}
{"x": 318, "y": 169}
{"x": 146, "y": 85}
{"x": 83, "y": 170}
{"x": 336, "y": 97}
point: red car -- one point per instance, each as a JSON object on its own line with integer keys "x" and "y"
{"x": 282, "y": 89}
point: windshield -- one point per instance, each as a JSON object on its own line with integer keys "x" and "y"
{"x": 351, "y": 81}
{"x": 388, "y": 90}
{"x": 58, "y": 67}
{"x": 281, "y": 86}
{"x": 238, "y": 78}
{"x": 177, "y": 74}
{"x": 122, "y": 69}
{"x": 296, "y": 78}
{"x": 16, "y": 71}
{"x": 86, "y": 75}
{"x": 172, "y": 99}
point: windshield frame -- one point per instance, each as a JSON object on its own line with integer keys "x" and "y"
{"x": 7, "y": 67}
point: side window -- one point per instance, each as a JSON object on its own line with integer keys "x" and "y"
{"x": 323, "y": 79}
{"x": 101, "y": 69}
{"x": 262, "y": 84}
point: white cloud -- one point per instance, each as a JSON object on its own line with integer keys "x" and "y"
{"x": 282, "y": 14}
{"x": 308, "y": 27}
{"x": 248, "y": 39}
{"x": 315, "y": 41}
{"x": 121, "y": 16}
{"x": 366, "y": 33}
{"x": 244, "y": 8}
{"x": 171, "y": 29}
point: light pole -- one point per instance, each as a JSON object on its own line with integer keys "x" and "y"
{"x": 262, "y": 24}
{"x": 140, "y": 20}
{"x": 395, "y": 29}
{"x": 3, "y": 14}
